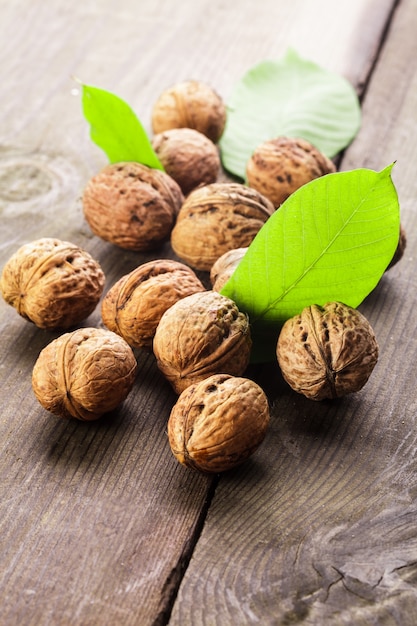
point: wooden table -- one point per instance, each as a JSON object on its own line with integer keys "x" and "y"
{"x": 99, "y": 524}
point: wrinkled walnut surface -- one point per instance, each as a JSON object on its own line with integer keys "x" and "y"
{"x": 134, "y": 305}
{"x": 218, "y": 423}
{"x": 201, "y": 335}
{"x": 280, "y": 166}
{"x": 327, "y": 352}
{"x": 188, "y": 156}
{"x": 224, "y": 267}
{"x": 132, "y": 205}
{"x": 191, "y": 104}
{"x": 84, "y": 374}
{"x": 52, "y": 283}
{"x": 217, "y": 218}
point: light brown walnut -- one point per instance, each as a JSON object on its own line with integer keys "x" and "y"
{"x": 132, "y": 206}
{"x": 133, "y": 307}
{"x": 225, "y": 266}
{"x": 201, "y": 335}
{"x": 327, "y": 351}
{"x": 84, "y": 374}
{"x": 218, "y": 423}
{"x": 217, "y": 218}
{"x": 52, "y": 283}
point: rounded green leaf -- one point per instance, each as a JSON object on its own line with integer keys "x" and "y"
{"x": 291, "y": 97}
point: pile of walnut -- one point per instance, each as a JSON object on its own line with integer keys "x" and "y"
{"x": 200, "y": 339}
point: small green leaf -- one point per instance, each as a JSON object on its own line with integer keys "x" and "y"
{"x": 115, "y": 128}
{"x": 290, "y": 97}
{"x": 331, "y": 240}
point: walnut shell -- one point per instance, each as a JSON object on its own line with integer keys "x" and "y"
{"x": 217, "y": 218}
{"x": 218, "y": 423}
{"x": 84, "y": 374}
{"x": 280, "y": 166}
{"x": 133, "y": 307}
{"x": 225, "y": 266}
{"x": 201, "y": 335}
{"x": 190, "y": 104}
{"x": 327, "y": 351}
{"x": 188, "y": 156}
{"x": 52, "y": 283}
{"x": 132, "y": 206}
{"x": 399, "y": 252}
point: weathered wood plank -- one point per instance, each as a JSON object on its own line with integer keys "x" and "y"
{"x": 97, "y": 520}
{"x": 322, "y": 522}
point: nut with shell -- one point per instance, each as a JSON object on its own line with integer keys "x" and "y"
{"x": 201, "y": 335}
{"x": 52, "y": 283}
{"x": 134, "y": 305}
{"x": 218, "y": 423}
{"x": 327, "y": 351}
{"x": 224, "y": 267}
{"x": 280, "y": 166}
{"x": 399, "y": 252}
{"x": 84, "y": 374}
{"x": 190, "y": 104}
{"x": 188, "y": 156}
{"x": 217, "y": 218}
{"x": 132, "y": 206}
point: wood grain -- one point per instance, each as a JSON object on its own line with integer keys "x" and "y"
{"x": 98, "y": 521}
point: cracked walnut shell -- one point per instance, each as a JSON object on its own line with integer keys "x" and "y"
{"x": 218, "y": 423}
{"x": 133, "y": 307}
{"x": 132, "y": 206}
{"x": 280, "y": 166}
{"x": 327, "y": 351}
{"x": 201, "y": 335}
{"x": 52, "y": 283}
{"x": 84, "y": 374}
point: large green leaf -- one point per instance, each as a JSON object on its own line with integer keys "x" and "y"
{"x": 116, "y": 129}
{"x": 293, "y": 97}
{"x": 331, "y": 240}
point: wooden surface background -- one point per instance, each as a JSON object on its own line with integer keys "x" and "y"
{"x": 99, "y": 525}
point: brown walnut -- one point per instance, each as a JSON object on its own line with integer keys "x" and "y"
{"x": 201, "y": 335}
{"x": 52, "y": 283}
{"x": 280, "y": 166}
{"x": 401, "y": 246}
{"x": 132, "y": 206}
{"x": 218, "y": 423}
{"x": 327, "y": 351}
{"x": 84, "y": 374}
{"x": 133, "y": 307}
{"x": 217, "y": 218}
{"x": 225, "y": 266}
{"x": 190, "y": 104}
{"x": 188, "y": 156}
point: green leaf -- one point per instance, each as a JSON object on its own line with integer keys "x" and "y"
{"x": 115, "y": 128}
{"x": 331, "y": 240}
{"x": 290, "y": 97}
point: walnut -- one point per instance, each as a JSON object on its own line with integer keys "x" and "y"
{"x": 280, "y": 166}
{"x": 132, "y": 206}
{"x": 52, "y": 283}
{"x": 217, "y": 218}
{"x": 327, "y": 351}
{"x": 188, "y": 156}
{"x": 134, "y": 305}
{"x": 399, "y": 252}
{"x": 190, "y": 104}
{"x": 225, "y": 266}
{"x": 84, "y": 374}
{"x": 201, "y": 335}
{"x": 218, "y": 423}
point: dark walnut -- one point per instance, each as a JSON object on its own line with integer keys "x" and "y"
{"x": 132, "y": 206}
{"x": 190, "y": 104}
{"x": 327, "y": 351}
{"x": 217, "y": 218}
{"x": 188, "y": 156}
{"x": 399, "y": 252}
{"x": 201, "y": 335}
{"x": 52, "y": 283}
{"x": 84, "y": 374}
{"x": 280, "y": 166}
{"x": 218, "y": 423}
{"x": 133, "y": 307}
